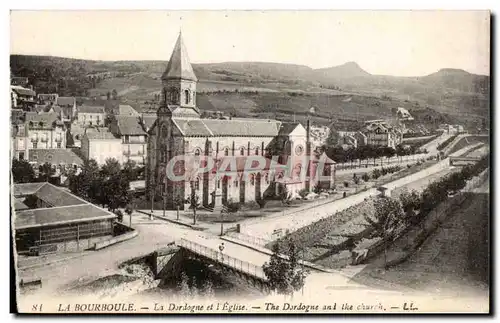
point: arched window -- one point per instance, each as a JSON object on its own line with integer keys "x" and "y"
{"x": 252, "y": 179}
{"x": 187, "y": 96}
{"x": 226, "y": 151}
{"x": 197, "y": 152}
{"x": 257, "y": 151}
{"x": 197, "y": 183}
{"x": 242, "y": 151}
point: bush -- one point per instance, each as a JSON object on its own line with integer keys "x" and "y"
{"x": 446, "y": 142}
{"x": 365, "y": 177}
{"x": 408, "y": 165}
{"x": 119, "y": 216}
{"x": 346, "y": 184}
{"x": 356, "y": 180}
{"x": 376, "y": 173}
{"x": 262, "y": 203}
{"x": 303, "y": 193}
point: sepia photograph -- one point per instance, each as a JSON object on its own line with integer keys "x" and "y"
{"x": 250, "y": 162}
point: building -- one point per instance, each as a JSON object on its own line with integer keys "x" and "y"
{"x": 131, "y": 132}
{"x": 383, "y": 134}
{"x": 404, "y": 114}
{"x": 51, "y": 220}
{"x": 352, "y": 138}
{"x": 62, "y": 160}
{"x": 46, "y": 98}
{"x": 100, "y": 144}
{"x": 22, "y": 98}
{"x": 19, "y": 81}
{"x": 67, "y": 106}
{"x": 179, "y": 131}
{"x": 45, "y": 130}
{"x": 19, "y": 139}
{"x": 91, "y": 116}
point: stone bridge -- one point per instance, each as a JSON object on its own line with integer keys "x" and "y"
{"x": 166, "y": 263}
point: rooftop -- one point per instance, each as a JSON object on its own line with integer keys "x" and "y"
{"x": 22, "y": 90}
{"x": 54, "y": 156}
{"x": 93, "y": 134}
{"x": 65, "y": 100}
{"x": 127, "y": 125}
{"x": 47, "y": 118}
{"x": 90, "y": 109}
{"x": 65, "y": 207}
{"x": 59, "y": 215}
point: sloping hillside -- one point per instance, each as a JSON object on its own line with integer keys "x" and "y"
{"x": 279, "y": 88}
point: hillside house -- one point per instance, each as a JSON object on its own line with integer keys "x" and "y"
{"x": 46, "y": 98}
{"x": 383, "y": 134}
{"x": 22, "y": 98}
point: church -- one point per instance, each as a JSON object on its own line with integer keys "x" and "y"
{"x": 180, "y": 131}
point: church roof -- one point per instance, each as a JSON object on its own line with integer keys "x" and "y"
{"x": 287, "y": 127}
{"x": 238, "y": 128}
{"x": 179, "y": 66}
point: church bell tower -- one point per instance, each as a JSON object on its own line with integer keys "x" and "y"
{"x": 179, "y": 80}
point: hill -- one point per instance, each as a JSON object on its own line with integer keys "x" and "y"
{"x": 346, "y": 90}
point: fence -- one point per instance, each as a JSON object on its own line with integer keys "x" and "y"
{"x": 248, "y": 238}
{"x": 220, "y": 257}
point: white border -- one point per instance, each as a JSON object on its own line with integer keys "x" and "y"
{"x": 494, "y": 5}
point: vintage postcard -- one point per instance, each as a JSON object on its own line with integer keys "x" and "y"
{"x": 229, "y": 162}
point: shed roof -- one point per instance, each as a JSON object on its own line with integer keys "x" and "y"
{"x": 60, "y": 215}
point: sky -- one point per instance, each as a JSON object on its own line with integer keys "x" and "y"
{"x": 402, "y": 43}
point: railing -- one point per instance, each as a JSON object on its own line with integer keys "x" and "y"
{"x": 250, "y": 239}
{"x": 220, "y": 257}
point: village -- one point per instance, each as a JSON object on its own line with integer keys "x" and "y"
{"x": 90, "y": 190}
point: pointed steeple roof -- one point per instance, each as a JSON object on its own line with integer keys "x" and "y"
{"x": 179, "y": 66}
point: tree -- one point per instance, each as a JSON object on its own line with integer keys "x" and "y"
{"x": 194, "y": 201}
{"x": 178, "y": 201}
{"x": 410, "y": 202}
{"x": 110, "y": 168}
{"x": 388, "y": 215}
{"x": 87, "y": 184}
{"x": 114, "y": 94}
{"x": 130, "y": 170}
{"x": 22, "y": 171}
{"x": 45, "y": 171}
{"x": 115, "y": 192}
{"x": 108, "y": 95}
{"x": 283, "y": 272}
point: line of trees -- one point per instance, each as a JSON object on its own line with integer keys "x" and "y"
{"x": 341, "y": 155}
{"x": 412, "y": 207}
{"x": 23, "y": 172}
